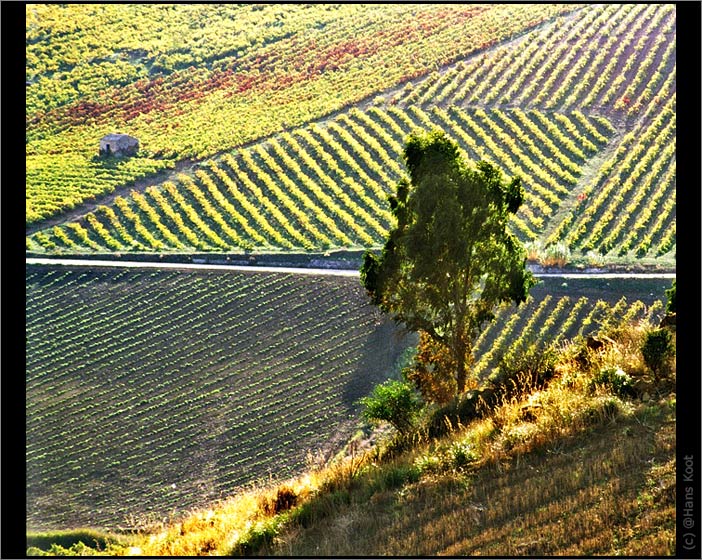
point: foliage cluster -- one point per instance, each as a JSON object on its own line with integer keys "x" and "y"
{"x": 432, "y": 371}
{"x": 450, "y": 260}
{"x": 80, "y": 542}
{"x": 671, "y": 298}
{"x": 618, "y": 365}
{"x": 658, "y": 349}
{"x": 615, "y": 380}
{"x": 395, "y": 402}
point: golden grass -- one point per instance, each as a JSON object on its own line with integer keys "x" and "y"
{"x": 216, "y": 531}
{"x": 568, "y": 470}
{"x": 221, "y": 529}
{"x": 578, "y": 497}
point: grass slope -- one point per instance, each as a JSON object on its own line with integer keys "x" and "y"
{"x": 607, "y": 491}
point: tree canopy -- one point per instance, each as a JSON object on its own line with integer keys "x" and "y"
{"x": 450, "y": 259}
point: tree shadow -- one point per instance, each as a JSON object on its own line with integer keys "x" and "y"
{"x": 380, "y": 357}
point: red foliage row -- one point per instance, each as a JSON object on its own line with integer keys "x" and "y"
{"x": 259, "y": 72}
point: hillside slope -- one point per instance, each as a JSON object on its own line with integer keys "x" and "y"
{"x": 571, "y": 461}
{"x": 191, "y": 81}
{"x": 583, "y": 107}
{"x": 609, "y": 491}
{"x": 151, "y": 392}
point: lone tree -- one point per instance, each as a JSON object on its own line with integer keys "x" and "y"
{"x": 449, "y": 261}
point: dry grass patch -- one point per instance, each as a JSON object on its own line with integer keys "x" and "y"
{"x": 579, "y": 498}
{"x": 217, "y": 531}
{"x": 570, "y": 469}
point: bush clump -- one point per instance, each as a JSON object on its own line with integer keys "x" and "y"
{"x": 70, "y": 543}
{"x": 462, "y": 454}
{"x": 525, "y": 370}
{"x": 556, "y": 255}
{"x": 657, "y": 350}
{"x": 395, "y": 402}
{"x": 400, "y": 475}
{"x": 284, "y": 499}
{"x": 432, "y": 371}
{"x": 615, "y": 380}
{"x": 670, "y": 294}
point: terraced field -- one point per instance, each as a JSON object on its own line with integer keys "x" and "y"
{"x": 326, "y": 186}
{"x": 582, "y": 107}
{"x": 558, "y": 311}
{"x": 152, "y": 392}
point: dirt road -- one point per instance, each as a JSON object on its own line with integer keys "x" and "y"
{"x": 311, "y": 271}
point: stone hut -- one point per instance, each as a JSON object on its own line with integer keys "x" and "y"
{"x": 120, "y": 145}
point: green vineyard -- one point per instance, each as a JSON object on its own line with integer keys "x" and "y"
{"x": 287, "y": 193}
{"x": 582, "y": 107}
{"x": 151, "y": 392}
{"x": 274, "y": 134}
{"x": 248, "y": 71}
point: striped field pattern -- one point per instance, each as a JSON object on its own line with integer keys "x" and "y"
{"x": 582, "y": 108}
{"x": 326, "y": 186}
{"x": 151, "y": 392}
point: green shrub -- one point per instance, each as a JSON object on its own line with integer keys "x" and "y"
{"x": 76, "y": 549}
{"x": 600, "y": 410}
{"x": 260, "y": 535}
{"x": 461, "y": 455}
{"x": 455, "y": 457}
{"x": 616, "y": 380}
{"x": 670, "y": 294}
{"x": 428, "y": 464}
{"x": 395, "y": 402}
{"x": 399, "y": 476}
{"x": 657, "y": 349}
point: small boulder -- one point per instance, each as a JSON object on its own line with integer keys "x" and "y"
{"x": 594, "y": 344}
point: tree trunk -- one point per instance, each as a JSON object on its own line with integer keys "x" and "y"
{"x": 460, "y": 357}
{"x": 461, "y": 377}
{"x": 463, "y": 356}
